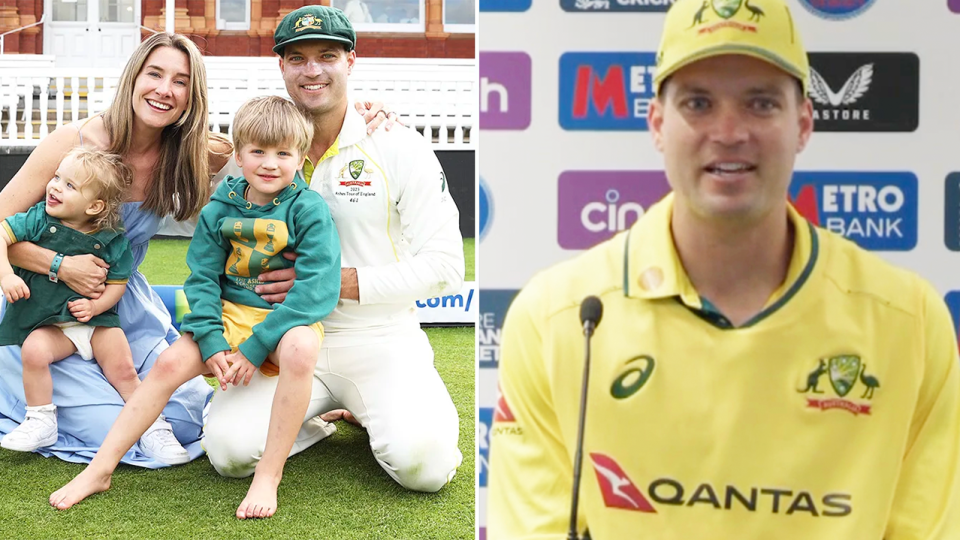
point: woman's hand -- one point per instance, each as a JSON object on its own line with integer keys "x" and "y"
{"x": 374, "y": 114}
{"x": 85, "y": 274}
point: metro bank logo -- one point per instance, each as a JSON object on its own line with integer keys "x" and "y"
{"x": 876, "y": 210}
{"x": 505, "y": 5}
{"x": 493, "y": 308}
{"x": 485, "y": 415}
{"x": 606, "y": 91}
{"x": 953, "y": 304}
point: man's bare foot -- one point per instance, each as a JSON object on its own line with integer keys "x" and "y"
{"x": 340, "y": 414}
{"x": 261, "y": 499}
{"x": 82, "y": 486}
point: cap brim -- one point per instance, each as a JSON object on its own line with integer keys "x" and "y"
{"x": 279, "y": 48}
{"x": 733, "y": 48}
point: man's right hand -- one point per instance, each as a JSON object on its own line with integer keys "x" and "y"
{"x": 14, "y": 288}
{"x": 85, "y": 274}
{"x": 281, "y": 282}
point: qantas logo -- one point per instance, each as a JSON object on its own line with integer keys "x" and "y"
{"x": 504, "y": 422}
{"x": 618, "y": 491}
{"x": 503, "y": 413}
{"x": 852, "y": 90}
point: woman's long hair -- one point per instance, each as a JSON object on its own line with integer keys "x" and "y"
{"x": 180, "y": 183}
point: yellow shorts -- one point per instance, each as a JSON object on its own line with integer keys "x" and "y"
{"x": 238, "y": 323}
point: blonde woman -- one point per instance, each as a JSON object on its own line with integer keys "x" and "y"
{"x": 158, "y": 125}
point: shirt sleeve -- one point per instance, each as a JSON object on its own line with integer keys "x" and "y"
{"x": 530, "y": 476}
{"x": 27, "y": 226}
{"x": 430, "y": 224}
{"x": 926, "y": 503}
{"x": 120, "y": 260}
{"x": 315, "y": 291}
{"x": 206, "y": 258}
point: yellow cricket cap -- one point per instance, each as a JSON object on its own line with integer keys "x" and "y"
{"x": 698, "y": 29}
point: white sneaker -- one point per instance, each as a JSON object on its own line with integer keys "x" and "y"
{"x": 159, "y": 443}
{"x": 39, "y": 429}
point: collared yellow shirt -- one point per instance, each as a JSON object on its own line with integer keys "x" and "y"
{"x": 834, "y": 414}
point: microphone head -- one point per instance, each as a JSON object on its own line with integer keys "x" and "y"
{"x": 591, "y": 310}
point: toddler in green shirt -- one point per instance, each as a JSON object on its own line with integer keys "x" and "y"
{"x": 48, "y": 320}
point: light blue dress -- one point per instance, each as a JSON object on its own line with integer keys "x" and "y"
{"x": 87, "y": 404}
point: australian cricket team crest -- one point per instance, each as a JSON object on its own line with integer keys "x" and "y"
{"x": 307, "y": 21}
{"x": 359, "y": 173}
{"x": 727, "y": 10}
{"x": 843, "y": 372}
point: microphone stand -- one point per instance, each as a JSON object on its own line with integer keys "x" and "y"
{"x": 588, "y": 328}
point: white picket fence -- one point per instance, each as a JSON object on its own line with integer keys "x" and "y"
{"x": 436, "y": 96}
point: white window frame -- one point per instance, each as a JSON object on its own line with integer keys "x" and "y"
{"x": 411, "y": 28}
{"x": 224, "y": 25}
{"x": 461, "y": 28}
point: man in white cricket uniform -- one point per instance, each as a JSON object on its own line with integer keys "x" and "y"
{"x": 400, "y": 237}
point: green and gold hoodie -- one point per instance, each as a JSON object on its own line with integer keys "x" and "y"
{"x": 235, "y": 240}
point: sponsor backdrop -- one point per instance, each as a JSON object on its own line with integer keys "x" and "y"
{"x": 568, "y": 162}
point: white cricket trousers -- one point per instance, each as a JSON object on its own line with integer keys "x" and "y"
{"x": 390, "y": 385}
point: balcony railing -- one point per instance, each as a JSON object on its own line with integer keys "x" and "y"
{"x": 436, "y": 96}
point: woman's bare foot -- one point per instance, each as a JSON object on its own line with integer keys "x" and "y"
{"x": 261, "y": 499}
{"x": 82, "y": 486}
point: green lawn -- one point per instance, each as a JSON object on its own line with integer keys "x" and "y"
{"x": 166, "y": 261}
{"x": 333, "y": 490}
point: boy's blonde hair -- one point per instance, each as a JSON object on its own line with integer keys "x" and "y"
{"x": 271, "y": 121}
{"x": 108, "y": 177}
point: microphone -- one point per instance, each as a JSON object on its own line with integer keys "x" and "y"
{"x": 591, "y": 311}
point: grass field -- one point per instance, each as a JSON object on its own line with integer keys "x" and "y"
{"x": 333, "y": 490}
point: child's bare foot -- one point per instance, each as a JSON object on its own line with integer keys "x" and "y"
{"x": 82, "y": 486}
{"x": 340, "y": 414}
{"x": 261, "y": 499}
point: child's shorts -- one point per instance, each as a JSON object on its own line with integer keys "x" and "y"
{"x": 80, "y": 334}
{"x": 238, "y": 323}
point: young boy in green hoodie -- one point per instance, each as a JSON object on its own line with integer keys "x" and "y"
{"x": 249, "y": 222}
{"x": 231, "y": 331}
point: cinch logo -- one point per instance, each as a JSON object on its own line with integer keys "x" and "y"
{"x": 865, "y": 91}
{"x": 485, "y": 415}
{"x": 595, "y": 205}
{"x": 504, "y": 90}
{"x": 877, "y": 210}
{"x": 616, "y": 5}
{"x": 505, "y": 5}
{"x": 493, "y": 308}
{"x": 449, "y": 301}
{"x": 951, "y": 211}
{"x": 836, "y": 9}
{"x": 620, "y": 492}
{"x": 486, "y": 209}
{"x": 606, "y": 91}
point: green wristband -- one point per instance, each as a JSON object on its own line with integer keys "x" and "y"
{"x": 55, "y": 267}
